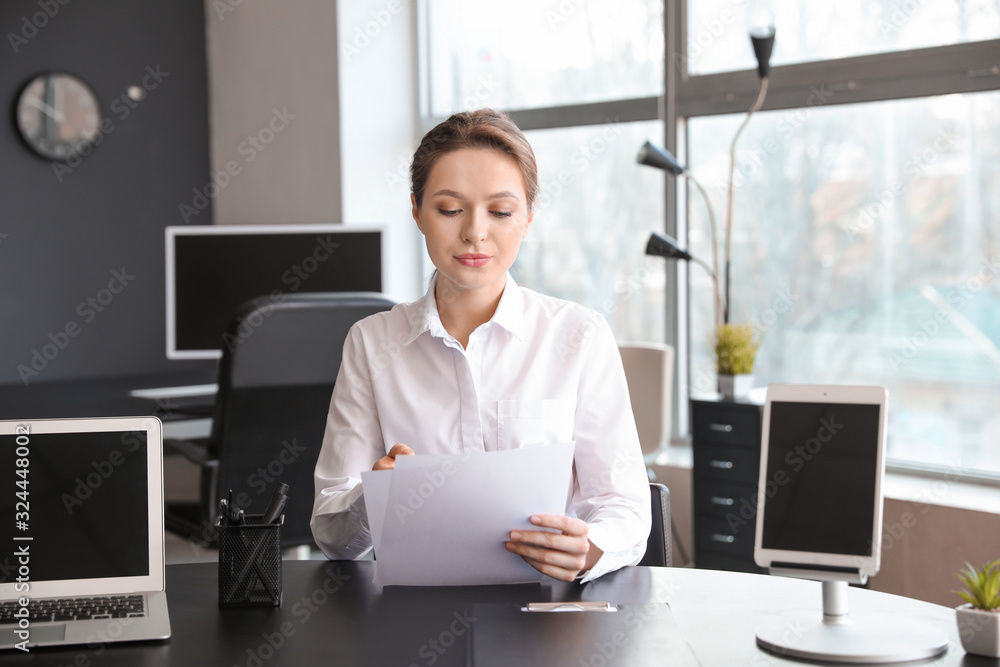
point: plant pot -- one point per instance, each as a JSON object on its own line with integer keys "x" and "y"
{"x": 733, "y": 387}
{"x": 979, "y": 630}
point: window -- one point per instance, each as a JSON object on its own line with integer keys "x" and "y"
{"x": 591, "y": 224}
{"x": 812, "y": 31}
{"x": 526, "y": 54}
{"x": 867, "y": 241}
{"x": 866, "y": 233}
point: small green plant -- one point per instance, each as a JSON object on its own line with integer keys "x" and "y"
{"x": 735, "y": 348}
{"x": 983, "y": 586}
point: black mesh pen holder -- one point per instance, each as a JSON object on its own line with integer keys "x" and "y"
{"x": 250, "y": 563}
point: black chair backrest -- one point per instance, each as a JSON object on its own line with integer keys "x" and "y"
{"x": 279, "y": 364}
{"x": 658, "y": 551}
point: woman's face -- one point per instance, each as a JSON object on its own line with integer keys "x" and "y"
{"x": 473, "y": 217}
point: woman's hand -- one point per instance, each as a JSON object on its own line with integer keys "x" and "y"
{"x": 388, "y": 462}
{"x": 561, "y": 555}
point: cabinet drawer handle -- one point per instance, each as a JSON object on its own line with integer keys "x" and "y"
{"x": 719, "y": 500}
{"x": 728, "y": 539}
{"x": 716, "y": 463}
{"x": 725, "y": 428}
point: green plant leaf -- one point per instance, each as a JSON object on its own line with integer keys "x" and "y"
{"x": 736, "y": 348}
{"x": 968, "y": 598}
{"x": 991, "y": 589}
{"x": 983, "y": 585}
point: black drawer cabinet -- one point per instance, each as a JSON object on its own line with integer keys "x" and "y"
{"x": 726, "y": 444}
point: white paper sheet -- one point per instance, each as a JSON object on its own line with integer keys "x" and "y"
{"x": 375, "y": 485}
{"x": 443, "y": 520}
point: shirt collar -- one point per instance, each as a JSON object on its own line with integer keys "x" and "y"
{"x": 510, "y": 310}
{"x": 509, "y": 313}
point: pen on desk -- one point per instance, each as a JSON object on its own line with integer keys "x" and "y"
{"x": 579, "y": 605}
{"x": 276, "y": 505}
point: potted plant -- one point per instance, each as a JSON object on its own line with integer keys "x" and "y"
{"x": 979, "y": 619}
{"x": 735, "y": 350}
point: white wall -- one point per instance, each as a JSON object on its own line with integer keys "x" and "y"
{"x": 346, "y": 72}
{"x": 379, "y": 129}
{"x": 273, "y": 109}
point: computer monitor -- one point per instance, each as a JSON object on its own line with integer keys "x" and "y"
{"x": 211, "y": 270}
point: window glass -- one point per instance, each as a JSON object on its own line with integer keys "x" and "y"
{"x": 807, "y": 31}
{"x": 866, "y": 246}
{"x": 592, "y": 219}
{"x": 524, "y": 53}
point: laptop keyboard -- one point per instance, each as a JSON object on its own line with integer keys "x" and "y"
{"x": 71, "y": 609}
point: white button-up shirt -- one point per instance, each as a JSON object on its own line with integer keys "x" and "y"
{"x": 542, "y": 370}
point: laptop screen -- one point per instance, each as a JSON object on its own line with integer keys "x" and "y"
{"x": 816, "y": 453}
{"x": 88, "y": 505}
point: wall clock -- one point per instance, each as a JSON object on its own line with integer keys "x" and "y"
{"x": 58, "y": 115}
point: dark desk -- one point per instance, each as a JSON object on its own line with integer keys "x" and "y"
{"x": 332, "y": 614}
{"x": 97, "y": 397}
{"x": 109, "y": 397}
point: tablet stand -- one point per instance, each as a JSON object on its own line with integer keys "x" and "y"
{"x": 841, "y": 638}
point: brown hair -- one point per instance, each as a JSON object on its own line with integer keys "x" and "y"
{"x": 484, "y": 128}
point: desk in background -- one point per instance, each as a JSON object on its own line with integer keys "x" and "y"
{"x": 332, "y": 614}
{"x": 108, "y": 397}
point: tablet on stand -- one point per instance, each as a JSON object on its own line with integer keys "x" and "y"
{"x": 819, "y": 517}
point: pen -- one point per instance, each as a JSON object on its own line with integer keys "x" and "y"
{"x": 277, "y": 504}
{"x": 224, "y": 511}
{"x": 235, "y": 513}
{"x": 570, "y": 606}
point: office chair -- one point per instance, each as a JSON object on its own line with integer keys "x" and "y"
{"x": 280, "y": 360}
{"x": 658, "y": 551}
{"x": 649, "y": 371}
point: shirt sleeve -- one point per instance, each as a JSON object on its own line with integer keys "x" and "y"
{"x": 352, "y": 443}
{"x": 611, "y": 489}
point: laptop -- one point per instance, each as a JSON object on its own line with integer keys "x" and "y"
{"x": 81, "y": 532}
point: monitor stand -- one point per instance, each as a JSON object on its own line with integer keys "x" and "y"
{"x": 841, "y": 638}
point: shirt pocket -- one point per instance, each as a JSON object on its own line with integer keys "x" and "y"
{"x": 521, "y": 423}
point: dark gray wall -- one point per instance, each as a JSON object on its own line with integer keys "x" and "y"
{"x": 61, "y": 240}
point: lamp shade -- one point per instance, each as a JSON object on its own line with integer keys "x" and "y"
{"x": 661, "y": 245}
{"x": 762, "y": 47}
{"x": 760, "y": 25}
{"x": 652, "y": 155}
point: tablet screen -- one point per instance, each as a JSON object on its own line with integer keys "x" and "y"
{"x": 821, "y": 477}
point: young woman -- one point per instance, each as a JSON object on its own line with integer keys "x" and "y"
{"x": 481, "y": 364}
